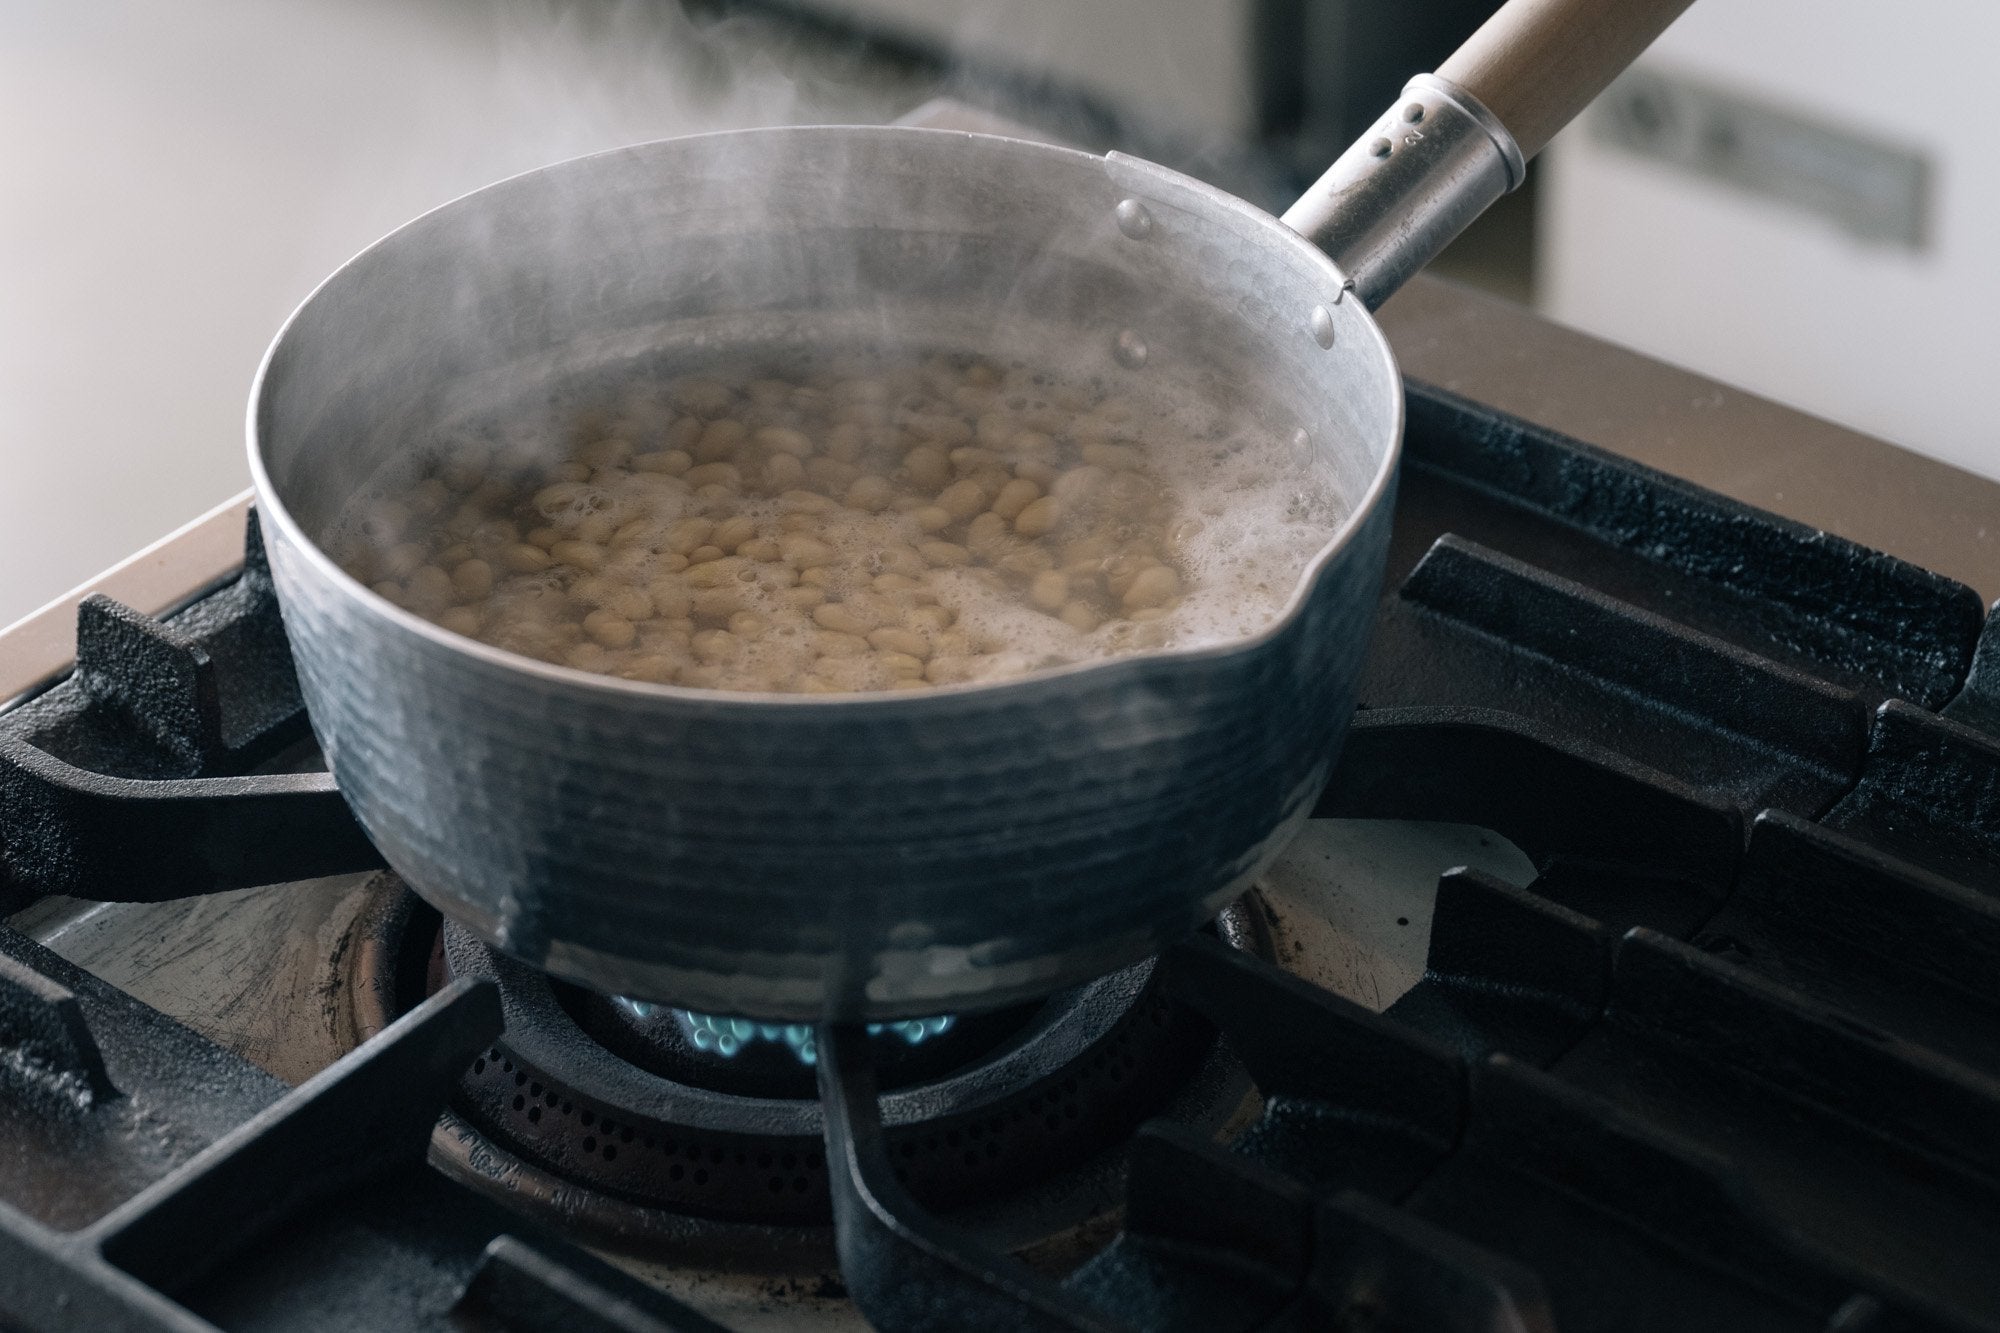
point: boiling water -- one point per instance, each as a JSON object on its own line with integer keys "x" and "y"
{"x": 884, "y": 497}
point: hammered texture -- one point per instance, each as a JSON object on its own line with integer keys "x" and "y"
{"x": 869, "y": 857}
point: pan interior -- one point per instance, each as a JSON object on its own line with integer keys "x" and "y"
{"x": 771, "y": 243}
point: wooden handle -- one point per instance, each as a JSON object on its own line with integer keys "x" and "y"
{"x": 1537, "y": 63}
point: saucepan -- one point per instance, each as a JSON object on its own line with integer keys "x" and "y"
{"x": 879, "y": 856}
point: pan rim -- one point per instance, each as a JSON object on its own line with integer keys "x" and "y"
{"x": 274, "y": 511}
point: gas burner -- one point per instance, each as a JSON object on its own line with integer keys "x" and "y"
{"x": 724, "y": 1038}
{"x": 751, "y": 1059}
{"x": 612, "y": 1119}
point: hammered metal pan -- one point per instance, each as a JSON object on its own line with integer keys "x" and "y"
{"x": 878, "y": 856}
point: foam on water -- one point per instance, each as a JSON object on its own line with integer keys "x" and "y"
{"x": 1246, "y": 505}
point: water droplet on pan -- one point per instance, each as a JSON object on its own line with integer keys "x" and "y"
{"x": 1322, "y": 326}
{"x": 1135, "y": 219}
{"x": 1129, "y": 349}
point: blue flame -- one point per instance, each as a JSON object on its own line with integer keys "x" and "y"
{"x": 727, "y": 1036}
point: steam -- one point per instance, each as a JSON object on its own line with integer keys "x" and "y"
{"x": 189, "y": 172}
{"x": 767, "y": 249}
{"x": 532, "y": 82}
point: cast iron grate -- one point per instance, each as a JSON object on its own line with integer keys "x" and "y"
{"x": 1727, "y": 1061}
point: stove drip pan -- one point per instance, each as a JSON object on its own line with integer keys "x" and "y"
{"x": 611, "y": 1120}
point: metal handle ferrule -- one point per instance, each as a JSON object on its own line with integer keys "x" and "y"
{"x": 1389, "y": 204}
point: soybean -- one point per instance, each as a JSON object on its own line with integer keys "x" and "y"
{"x": 807, "y": 533}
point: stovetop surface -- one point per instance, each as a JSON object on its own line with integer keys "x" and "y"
{"x": 1699, "y": 1034}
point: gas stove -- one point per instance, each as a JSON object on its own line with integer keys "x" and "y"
{"x": 1639, "y": 970}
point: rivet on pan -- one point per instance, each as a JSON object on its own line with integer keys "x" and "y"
{"x": 1135, "y": 219}
{"x": 1381, "y": 147}
{"x": 1130, "y": 349}
{"x": 1322, "y": 326}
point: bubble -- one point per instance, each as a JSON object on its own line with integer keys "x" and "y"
{"x": 1235, "y": 504}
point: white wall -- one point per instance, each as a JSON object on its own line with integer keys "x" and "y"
{"x": 1896, "y": 343}
{"x": 174, "y": 178}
